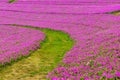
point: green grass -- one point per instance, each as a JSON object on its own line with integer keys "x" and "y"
{"x": 37, "y": 65}
{"x": 115, "y": 12}
{"x": 11, "y": 1}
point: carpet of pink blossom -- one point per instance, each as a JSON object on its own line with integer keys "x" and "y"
{"x": 96, "y": 53}
{"x": 16, "y": 42}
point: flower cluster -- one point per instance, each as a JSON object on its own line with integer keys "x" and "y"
{"x": 16, "y": 42}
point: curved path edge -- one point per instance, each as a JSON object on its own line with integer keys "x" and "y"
{"x": 40, "y": 62}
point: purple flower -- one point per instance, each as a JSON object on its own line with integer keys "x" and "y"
{"x": 117, "y": 74}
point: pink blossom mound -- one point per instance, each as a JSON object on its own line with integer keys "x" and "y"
{"x": 16, "y": 42}
{"x": 96, "y": 53}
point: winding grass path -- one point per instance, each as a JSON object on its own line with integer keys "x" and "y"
{"x": 40, "y": 62}
{"x": 116, "y": 12}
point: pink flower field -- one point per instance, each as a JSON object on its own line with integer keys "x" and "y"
{"x": 16, "y": 42}
{"x": 96, "y": 52}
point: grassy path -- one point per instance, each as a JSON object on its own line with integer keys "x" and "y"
{"x": 116, "y": 12}
{"x": 40, "y": 62}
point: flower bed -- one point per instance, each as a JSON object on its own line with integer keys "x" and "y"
{"x": 96, "y": 54}
{"x": 16, "y": 42}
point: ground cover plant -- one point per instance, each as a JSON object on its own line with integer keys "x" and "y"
{"x": 40, "y": 62}
{"x": 94, "y": 27}
{"x": 16, "y": 42}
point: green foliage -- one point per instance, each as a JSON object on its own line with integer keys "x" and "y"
{"x": 81, "y": 78}
{"x": 99, "y": 73}
{"x": 91, "y": 64}
{"x": 103, "y": 78}
{"x": 11, "y": 1}
{"x": 115, "y": 12}
{"x": 90, "y": 73}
